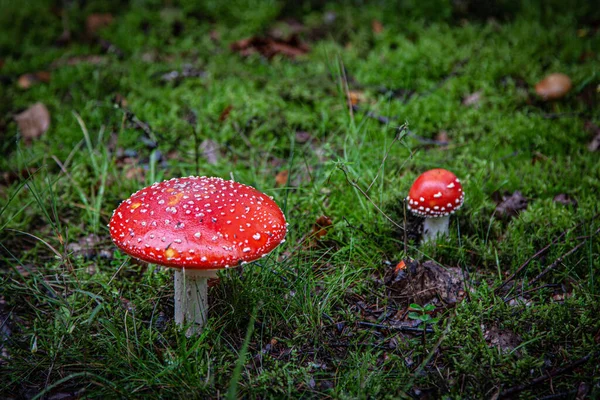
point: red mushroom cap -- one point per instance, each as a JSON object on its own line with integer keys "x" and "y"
{"x": 198, "y": 223}
{"x": 435, "y": 193}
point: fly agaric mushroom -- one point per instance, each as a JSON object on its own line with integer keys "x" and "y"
{"x": 553, "y": 86}
{"x": 197, "y": 225}
{"x": 435, "y": 195}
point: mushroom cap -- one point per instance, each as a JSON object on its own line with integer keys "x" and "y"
{"x": 435, "y": 193}
{"x": 553, "y": 86}
{"x": 198, "y": 223}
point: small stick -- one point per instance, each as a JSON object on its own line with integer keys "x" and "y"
{"x": 519, "y": 388}
{"x": 400, "y": 328}
{"x": 555, "y": 263}
{"x": 539, "y": 253}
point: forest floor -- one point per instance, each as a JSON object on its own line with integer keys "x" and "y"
{"x": 334, "y": 111}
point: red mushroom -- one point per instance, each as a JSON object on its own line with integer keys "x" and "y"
{"x": 197, "y": 225}
{"x": 435, "y": 195}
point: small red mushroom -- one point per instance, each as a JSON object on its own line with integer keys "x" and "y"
{"x": 435, "y": 195}
{"x": 197, "y": 225}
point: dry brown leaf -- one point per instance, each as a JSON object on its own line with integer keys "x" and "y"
{"x": 270, "y": 47}
{"x": 424, "y": 282}
{"x": 377, "y": 27}
{"x": 26, "y": 81}
{"x": 473, "y": 100}
{"x": 225, "y": 113}
{"x": 442, "y": 137}
{"x": 565, "y": 199}
{"x": 95, "y": 22}
{"x": 93, "y": 59}
{"x": 210, "y": 150}
{"x": 120, "y": 100}
{"x": 510, "y": 205}
{"x": 135, "y": 173}
{"x": 356, "y": 97}
{"x": 593, "y": 129}
{"x": 321, "y": 226}
{"x": 33, "y": 122}
{"x": 503, "y": 339}
{"x": 282, "y": 178}
{"x": 303, "y": 136}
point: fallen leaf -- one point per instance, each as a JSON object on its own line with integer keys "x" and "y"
{"x": 26, "y": 81}
{"x": 225, "y": 113}
{"x": 281, "y": 178}
{"x": 565, "y": 199}
{"x": 473, "y": 100}
{"x": 269, "y": 47}
{"x": 210, "y": 151}
{"x": 215, "y": 36}
{"x": 187, "y": 71}
{"x": 321, "y": 226}
{"x": 135, "y": 173}
{"x": 503, "y": 339}
{"x": 85, "y": 247}
{"x": 303, "y": 136}
{"x": 400, "y": 266}
{"x": 120, "y": 100}
{"x": 510, "y": 205}
{"x": 377, "y": 27}
{"x": 95, "y": 22}
{"x": 356, "y": 97}
{"x": 553, "y": 86}
{"x": 33, "y": 122}
{"x": 442, "y": 138}
{"x": 424, "y": 282}
{"x": 593, "y": 129}
{"x": 93, "y": 59}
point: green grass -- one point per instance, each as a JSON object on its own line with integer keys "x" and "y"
{"x": 98, "y": 324}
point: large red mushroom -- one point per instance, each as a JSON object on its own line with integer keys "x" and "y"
{"x": 435, "y": 195}
{"x": 197, "y": 225}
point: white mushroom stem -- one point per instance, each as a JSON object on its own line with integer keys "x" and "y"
{"x": 435, "y": 227}
{"x": 191, "y": 298}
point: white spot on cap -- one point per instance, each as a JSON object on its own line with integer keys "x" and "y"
{"x": 197, "y": 235}
{"x": 450, "y": 185}
{"x": 246, "y": 249}
{"x": 256, "y": 236}
{"x": 438, "y": 195}
{"x": 422, "y": 199}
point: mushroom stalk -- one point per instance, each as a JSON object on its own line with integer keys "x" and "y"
{"x": 435, "y": 227}
{"x": 191, "y": 298}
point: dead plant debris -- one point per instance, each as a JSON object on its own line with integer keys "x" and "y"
{"x": 424, "y": 282}
{"x": 33, "y": 122}
{"x": 594, "y": 130}
{"x": 509, "y": 205}
{"x": 270, "y": 47}
{"x": 26, "y": 81}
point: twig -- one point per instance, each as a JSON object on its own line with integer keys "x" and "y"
{"x": 539, "y": 253}
{"x": 355, "y": 185}
{"x": 555, "y": 263}
{"x": 548, "y": 285}
{"x": 519, "y": 388}
{"x": 401, "y": 328}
